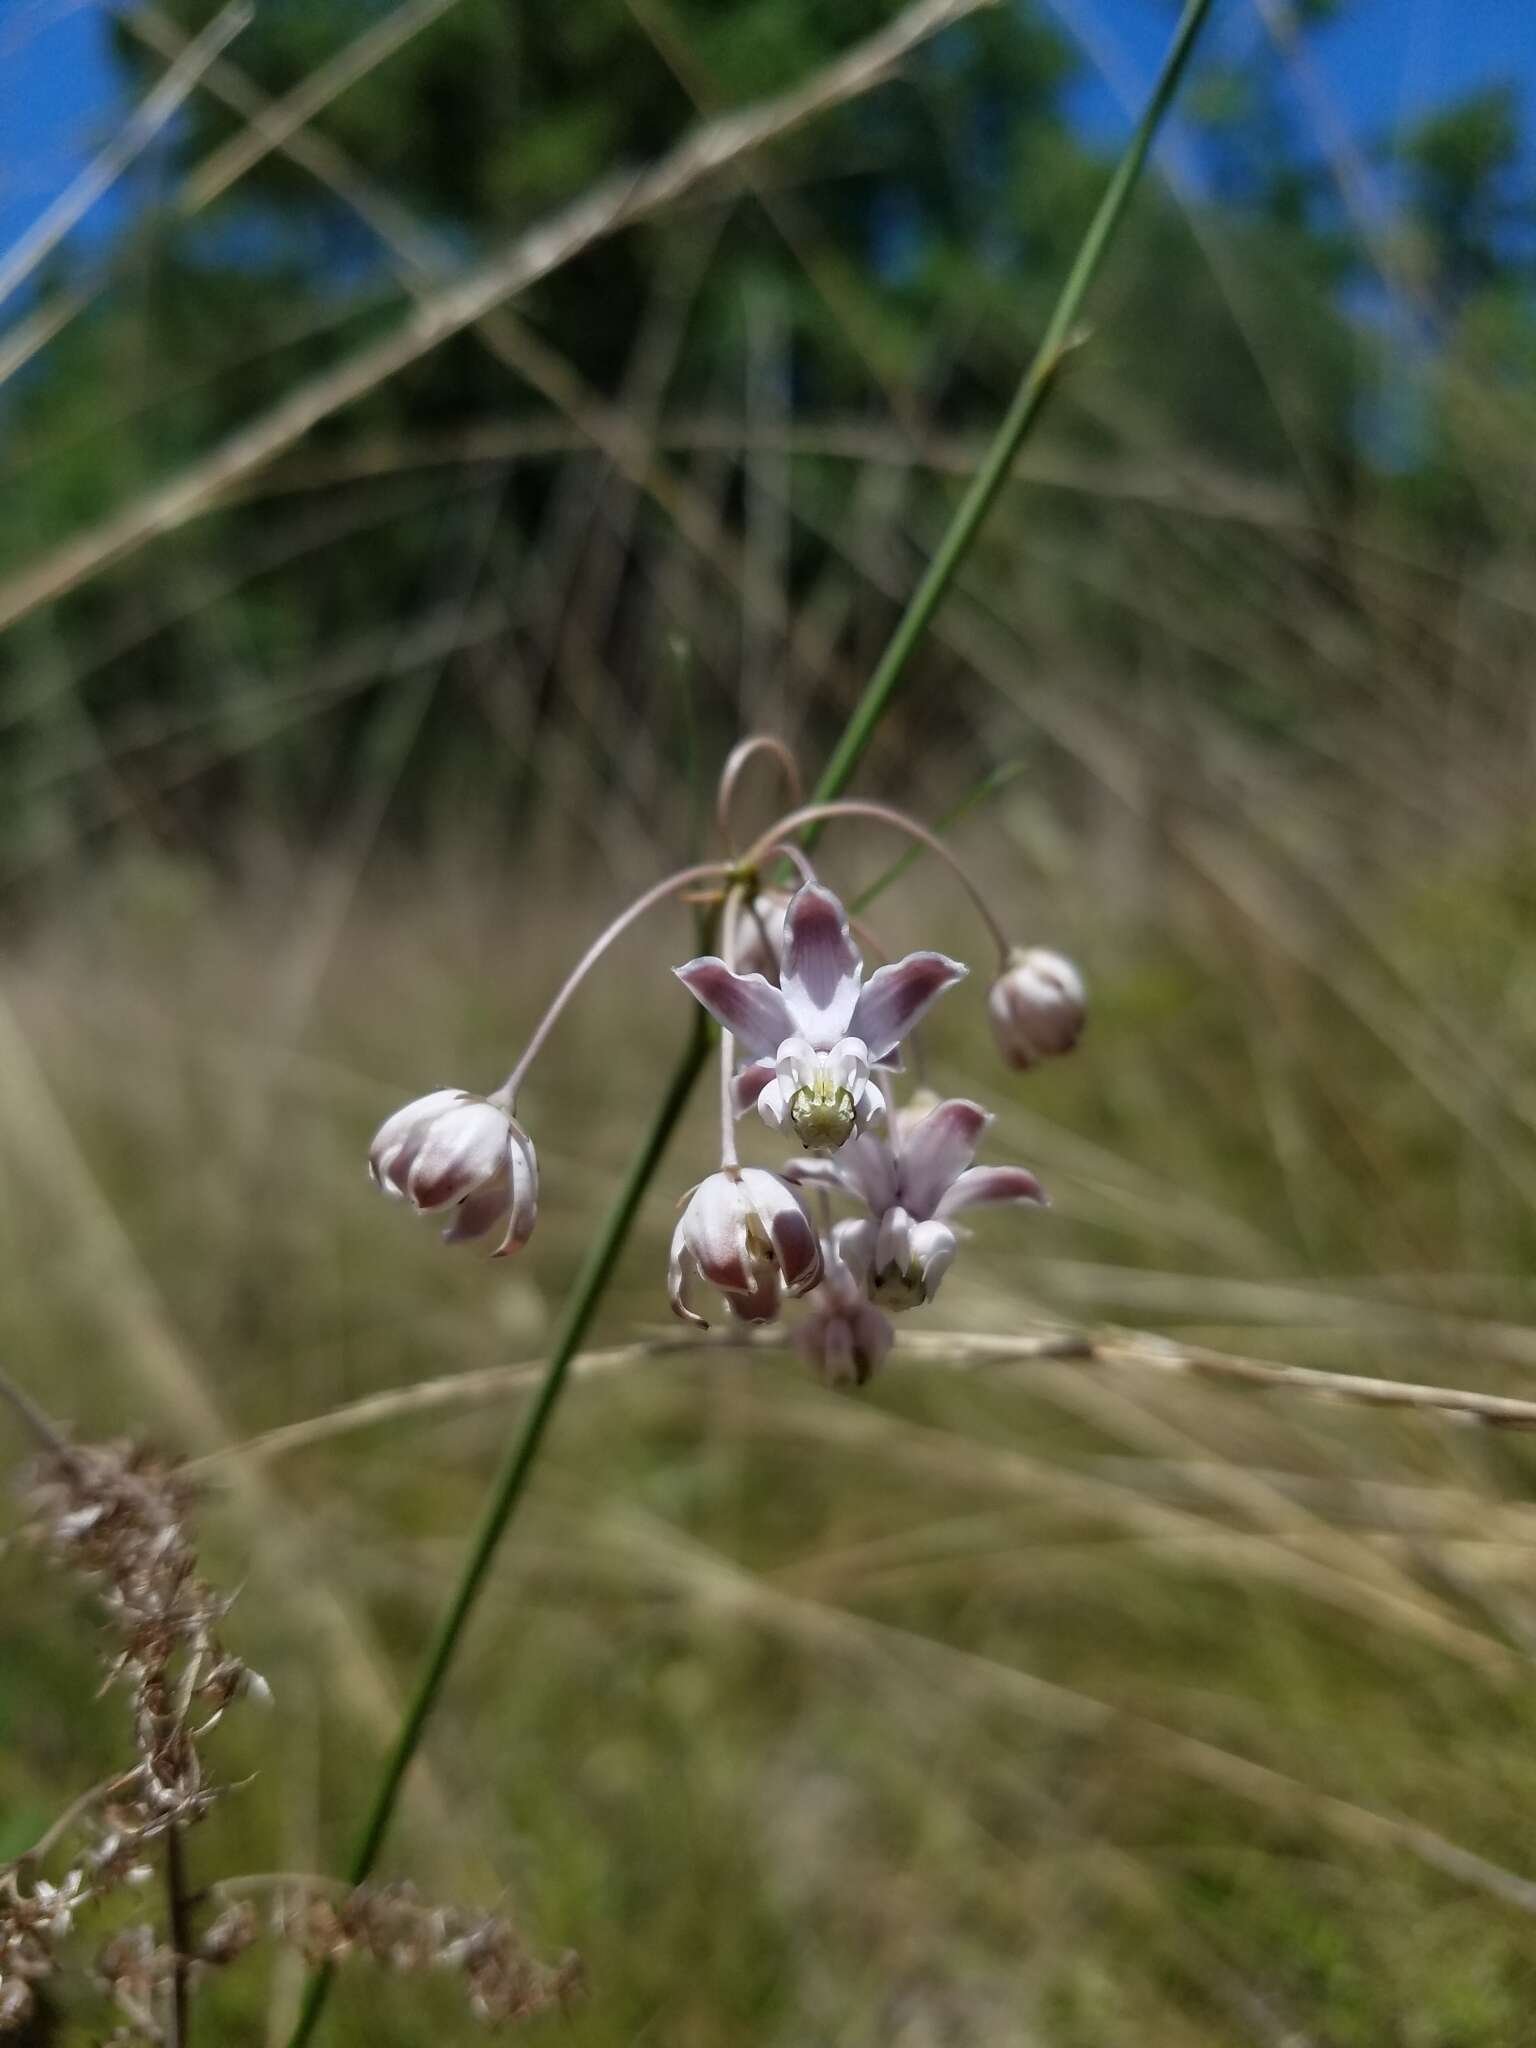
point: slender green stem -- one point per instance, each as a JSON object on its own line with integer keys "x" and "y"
{"x": 1017, "y": 421}
{"x": 512, "y": 1481}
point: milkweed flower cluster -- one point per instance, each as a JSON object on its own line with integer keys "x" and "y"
{"x": 813, "y": 1046}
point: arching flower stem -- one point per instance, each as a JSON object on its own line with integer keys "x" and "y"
{"x": 729, "y": 1157}
{"x": 882, "y": 814}
{"x": 671, "y": 886}
{"x": 740, "y": 756}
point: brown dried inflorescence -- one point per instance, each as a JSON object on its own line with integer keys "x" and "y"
{"x": 392, "y": 1926}
{"x": 116, "y": 1514}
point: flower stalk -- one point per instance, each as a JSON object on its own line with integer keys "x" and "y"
{"x": 512, "y": 1481}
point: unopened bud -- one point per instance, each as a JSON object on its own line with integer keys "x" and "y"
{"x": 1037, "y": 1006}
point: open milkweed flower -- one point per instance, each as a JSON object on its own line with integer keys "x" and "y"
{"x": 453, "y": 1150}
{"x": 902, "y": 1249}
{"x": 746, "y": 1232}
{"x": 844, "y": 1338}
{"x": 812, "y": 1041}
{"x": 1037, "y": 1005}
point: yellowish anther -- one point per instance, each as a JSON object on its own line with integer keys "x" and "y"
{"x": 895, "y": 1290}
{"x": 822, "y": 1114}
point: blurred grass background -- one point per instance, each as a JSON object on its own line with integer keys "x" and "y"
{"x": 777, "y": 1709}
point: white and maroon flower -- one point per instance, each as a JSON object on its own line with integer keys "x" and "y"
{"x": 845, "y": 1337}
{"x": 811, "y": 1042}
{"x": 1037, "y": 1006}
{"x": 746, "y": 1232}
{"x": 453, "y": 1150}
{"x": 902, "y": 1249}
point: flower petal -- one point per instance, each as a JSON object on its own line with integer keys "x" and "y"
{"x": 748, "y": 1084}
{"x": 895, "y": 997}
{"x": 714, "y": 1229}
{"x": 821, "y": 967}
{"x": 679, "y": 1272}
{"x": 979, "y": 1184}
{"x": 773, "y": 1104}
{"x": 743, "y": 1003}
{"x": 783, "y": 1215}
{"x": 937, "y": 1150}
{"x": 819, "y": 1170}
{"x": 893, "y": 1241}
{"x": 479, "y": 1213}
{"x": 463, "y": 1149}
{"x": 933, "y": 1247}
{"x": 406, "y": 1128}
{"x": 871, "y": 1172}
{"x": 523, "y": 1167}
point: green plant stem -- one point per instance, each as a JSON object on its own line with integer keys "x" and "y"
{"x": 512, "y": 1481}
{"x": 1021, "y": 415}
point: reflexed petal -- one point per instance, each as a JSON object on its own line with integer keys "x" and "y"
{"x": 895, "y": 997}
{"x": 748, "y": 1084}
{"x": 937, "y": 1150}
{"x": 743, "y": 1003}
{"x": 714, "y": 1227}
{"x": 406, "y": 1128}
{"x": 679, "y": 1272}
{"x": 821, "y": 965}
{"x": 980, "y": 1184}
{"x": 872, "y": 1172}
{"x": 462, "y": 1149}
{"x": 523, "y": 1166}
{"x": 479, "y": 1213}
{"x": 762, "y": 1305}
{"x": 814, "y": 1170}
{"x": 796, "y": 1243}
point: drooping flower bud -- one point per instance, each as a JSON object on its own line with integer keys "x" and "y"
{"x": 844, "y": 1338}
{"x": 453, "y": 1150}
{"x": 1037, "y": 1006}
{"x": 746, "y": 1232}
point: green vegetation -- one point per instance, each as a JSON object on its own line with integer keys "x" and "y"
{"x": 775, "y": 1710}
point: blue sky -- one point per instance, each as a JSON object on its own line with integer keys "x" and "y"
{"x": 1382, "y": 64}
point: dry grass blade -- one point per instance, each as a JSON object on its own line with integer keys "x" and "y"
{"x": 223, "y": 166}
{"x": 961, "y": 1350}
{"x": 615, "y": 204}
{"x": 131, "y": 140}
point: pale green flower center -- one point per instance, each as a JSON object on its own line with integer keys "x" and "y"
{"x": 822, "y": 1114}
